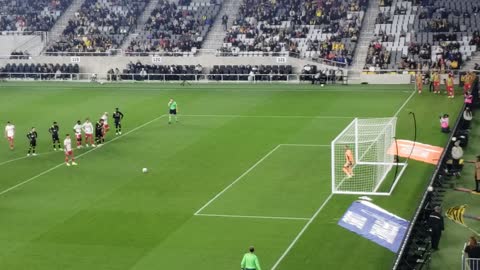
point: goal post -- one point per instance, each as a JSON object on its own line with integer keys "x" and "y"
{"x": 373, "y": 147}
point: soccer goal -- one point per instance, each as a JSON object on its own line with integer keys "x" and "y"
{"x": 364, "y": 158}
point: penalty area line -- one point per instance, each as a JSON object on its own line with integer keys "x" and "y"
{"x": 79, "y": 156}
{"x": 253, "y": 217}
{"x": 268, "y": 116}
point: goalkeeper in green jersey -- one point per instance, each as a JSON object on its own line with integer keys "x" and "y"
{"x": 250, "y": 261}
{"x": 172, "y": 106}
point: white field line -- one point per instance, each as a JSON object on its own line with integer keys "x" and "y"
{"x": 25, "y": 157}
{"x": 267, "y": 116}
{"x": 305, "y": 145}
{"x": 253, "y": 217}
{"x": 83, "y": 154}
{"x": 238, "y": 179}
{"x": 295, "y": 240}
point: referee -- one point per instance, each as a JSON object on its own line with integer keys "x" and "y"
{"x": 250, "y": 261}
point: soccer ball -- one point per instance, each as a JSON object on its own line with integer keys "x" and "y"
{"x": 101, "y": 82}
{"x": 322, "y": 85}
{"x": 144, "y": 170}
{"x": 430, "y": 188}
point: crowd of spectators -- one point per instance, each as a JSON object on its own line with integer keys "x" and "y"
{"x": 281, "y": 25}
{"x": 99, "y": 25}
{"x": 30, "y": 15}
{"x": 377, "y": 55}
{"x": 175, "y": 27}
{"x": 39, "y": 71}
{"x": 19, "y": 55}
{"x": 139, "y": 71}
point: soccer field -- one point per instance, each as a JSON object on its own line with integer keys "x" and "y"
{"x": 246, "y": 165}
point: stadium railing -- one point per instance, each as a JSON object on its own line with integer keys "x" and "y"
{"x": 193, "y": 78}
{"x": 469, "y": 263}
{"x": 414, "y": 250}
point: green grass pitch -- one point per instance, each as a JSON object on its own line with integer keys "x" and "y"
{"x": 246, "y": 165}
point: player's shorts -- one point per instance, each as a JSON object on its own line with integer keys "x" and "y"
{"x": 174, "y": 111}
{"x": 117, "y": 123}
{"x": 99, "y": 134}
{"x": 55, "y": 138}
{"x": 78, "y": 136}
{"x": 348, "y": 165}
{"x": 33, "y": 143}
{"x": 436, "y": 84}
{"x": 106, "y": 126}
{"x": 467, "y": 86}
{"x": 10, "y": 138}
{"x": 88, "y": 135}
{"x": 450, "y": 88}
{"x": 68, "y": 153}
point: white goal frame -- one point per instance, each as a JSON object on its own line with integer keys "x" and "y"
{"x": 386, "y": 126}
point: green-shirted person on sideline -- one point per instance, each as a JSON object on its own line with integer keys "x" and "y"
{"x": 250, "y": 261}
{"x": 172, "y": 105}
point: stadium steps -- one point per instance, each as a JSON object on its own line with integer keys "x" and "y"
{"x": 57, "y": 30}
{"x": 215, "y": 36}
{"x": 366, "y": 36}
{"x": 473, "y": 60}
{"x": 34, "y": 45}
{"x": 142, "y": 20}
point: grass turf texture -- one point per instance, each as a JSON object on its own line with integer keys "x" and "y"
{"x": 106, "y": 214}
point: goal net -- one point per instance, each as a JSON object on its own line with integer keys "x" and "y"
{"x": 371, "y": 145}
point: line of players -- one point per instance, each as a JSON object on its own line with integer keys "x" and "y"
{"x": 467, "y": 79}
{"x": 101, "y": 128}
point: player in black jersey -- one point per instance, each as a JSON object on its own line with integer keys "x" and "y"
{"x": 54, "y": 129}
{"x": 117, "y": 117}
{"x": 32, "y": 138}
{"x": 99, "y": 132}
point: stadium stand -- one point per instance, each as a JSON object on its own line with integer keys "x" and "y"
{"x": 39, "y": 71}
{"x": 436, "y": 34}
{"x": 30, "y": 15}
{"x": 176, "y": 28}
{"x": 248, "y": 72}
{"x": 139, "y": 71}
{"x": 99, "y": 25}
{"x": 311, "y": 29}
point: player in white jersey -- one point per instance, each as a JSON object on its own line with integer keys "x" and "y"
{"x": 67, "y": 146}
{"x": 105, "y": 119}
{"x": 78, "y": 133}
{"x": 88, "y": 129}
{"x": 10, "y": 134}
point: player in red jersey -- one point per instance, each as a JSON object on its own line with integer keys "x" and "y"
{"x": 450, "y": 86}
{"x": 419, "y": 82}
{"x": 67, "y": 146}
